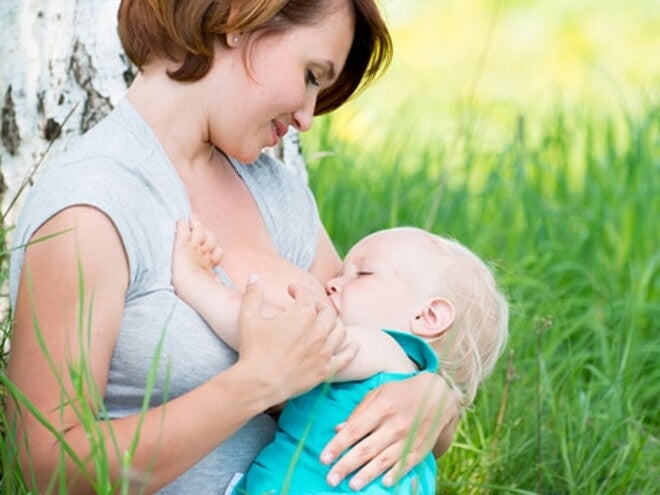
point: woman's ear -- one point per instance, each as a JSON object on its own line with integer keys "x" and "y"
{"x": 436, "y": 318}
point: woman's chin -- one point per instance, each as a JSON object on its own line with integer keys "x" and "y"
{"x": 248, "y": 157}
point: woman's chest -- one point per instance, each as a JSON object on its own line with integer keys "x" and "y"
{"x": 256, "y": 237}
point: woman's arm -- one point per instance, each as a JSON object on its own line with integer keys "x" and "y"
{"x": 80, "y": 277}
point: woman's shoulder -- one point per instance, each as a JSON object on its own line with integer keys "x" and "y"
{"x": 121, "y": 138}
{"x": 117, "y": 157}
{"x": 115, "y": 170}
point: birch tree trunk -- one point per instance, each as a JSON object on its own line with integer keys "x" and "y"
{"x": 62, "y": 69}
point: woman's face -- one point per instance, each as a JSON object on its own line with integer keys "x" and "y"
{"x": 278, "y": 86}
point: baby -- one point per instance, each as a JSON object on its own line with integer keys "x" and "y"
{"x": 412, "y": 301}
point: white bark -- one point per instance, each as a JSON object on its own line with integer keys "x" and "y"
{"x": 57, "y": 58}
{"x": 60, "y": 58}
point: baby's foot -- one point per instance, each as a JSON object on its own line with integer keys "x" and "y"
{"x": 196, "y": 253}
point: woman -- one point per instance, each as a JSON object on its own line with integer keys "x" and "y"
{"x": 218, "y": 81}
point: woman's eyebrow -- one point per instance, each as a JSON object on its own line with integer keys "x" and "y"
{"x": 328, "y": 68}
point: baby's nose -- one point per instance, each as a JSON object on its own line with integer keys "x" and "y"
{"x": 331, "y": 287}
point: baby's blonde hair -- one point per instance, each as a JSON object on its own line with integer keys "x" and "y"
{"x": 469, "y": 350}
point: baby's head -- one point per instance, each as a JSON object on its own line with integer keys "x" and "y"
{"x": 408, "y": 279}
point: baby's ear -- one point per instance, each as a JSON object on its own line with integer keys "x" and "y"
{"x": 436, "y": 318}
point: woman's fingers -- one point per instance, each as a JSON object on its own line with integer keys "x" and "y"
{"x": 303, "y": 296}
{"x": 403, "y": 465}
{"x": 393, "y": 459}
{"x": 297, "y": 348}
{"x": 390, "y": 458}
{"x": 358, "y": 426}
{"x": 253, "y": 297}
{"x": 342, "y": 358}
{"x": 382, "y": 445}
{"x": 332, "y": 331}
{"x": 393, "y": 428}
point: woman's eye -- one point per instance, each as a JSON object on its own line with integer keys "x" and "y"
{"x": 310, "y": 78}
{"x": 363, "y": 274}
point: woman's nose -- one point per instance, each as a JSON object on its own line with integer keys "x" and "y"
{"x": 302, "y": 118}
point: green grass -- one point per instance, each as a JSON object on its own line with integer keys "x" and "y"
{"x": 566, "y": 209}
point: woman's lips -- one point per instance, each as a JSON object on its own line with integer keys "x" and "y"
{"x": 280, "y": 128}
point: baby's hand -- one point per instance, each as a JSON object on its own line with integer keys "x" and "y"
{"x": 196, "y": 254}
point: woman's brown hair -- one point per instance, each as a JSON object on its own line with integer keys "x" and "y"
{"x": 185, "y": 32}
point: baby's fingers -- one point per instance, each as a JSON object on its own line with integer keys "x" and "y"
{"x": 198, "y": 232}
{"x": 216, "y": 255}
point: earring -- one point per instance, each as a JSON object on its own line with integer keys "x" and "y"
{"x": 234, "y": 40}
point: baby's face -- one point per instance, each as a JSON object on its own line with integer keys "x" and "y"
{"x": 385, "y": 280}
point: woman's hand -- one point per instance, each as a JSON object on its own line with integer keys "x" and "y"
{"x": 295, "y": 350}
{"x": 378, "y": 433}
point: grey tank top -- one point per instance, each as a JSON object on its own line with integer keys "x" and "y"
{"x": 120, "y": 168}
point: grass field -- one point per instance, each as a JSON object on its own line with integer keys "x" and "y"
{"x": 529, "y": 131}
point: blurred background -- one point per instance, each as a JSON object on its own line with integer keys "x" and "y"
{"x": 485, "y": 62}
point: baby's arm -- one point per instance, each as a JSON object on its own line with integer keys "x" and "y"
{"x": 195, "y": 255}
{"x": 377, "y": 351}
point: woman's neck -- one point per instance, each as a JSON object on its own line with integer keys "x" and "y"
{"x": 172, "y": 111}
